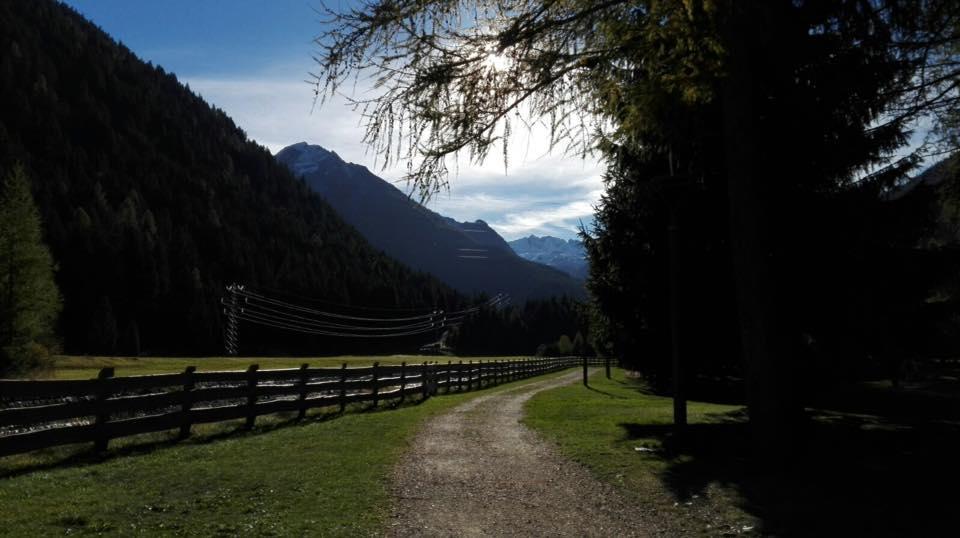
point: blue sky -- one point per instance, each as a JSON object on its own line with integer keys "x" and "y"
{"x": 252, "y": 58}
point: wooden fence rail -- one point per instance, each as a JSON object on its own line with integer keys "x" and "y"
{"x": 41, "y": 414}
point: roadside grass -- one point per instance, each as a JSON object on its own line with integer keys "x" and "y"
{"x": 325, "y": 476}
{"x": 870, "y": 460}
{"x": 86, "y": 367}
{"x": 613, "y": 429}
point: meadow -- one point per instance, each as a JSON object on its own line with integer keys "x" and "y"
{"x": 324, "y": 476}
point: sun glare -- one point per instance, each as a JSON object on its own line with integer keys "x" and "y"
{"x": 496, "y": 62}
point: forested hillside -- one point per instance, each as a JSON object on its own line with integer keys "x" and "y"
{"x": 152, "y": 199}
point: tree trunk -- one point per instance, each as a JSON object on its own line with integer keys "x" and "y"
{"x": 766, "y": 360}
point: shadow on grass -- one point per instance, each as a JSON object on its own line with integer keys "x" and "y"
{"x": 726, "y": 390}
{"x": 605, "y": 393}
{"x": 849, "y": 474}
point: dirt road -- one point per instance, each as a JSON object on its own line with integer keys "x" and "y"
{"x": 477, "y": 471}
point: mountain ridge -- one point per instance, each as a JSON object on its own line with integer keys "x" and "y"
{"x": 567, "y": 255}
{"x": 469, "y": 256}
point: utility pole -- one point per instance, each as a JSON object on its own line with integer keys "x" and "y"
{"x": 231, "y": 341}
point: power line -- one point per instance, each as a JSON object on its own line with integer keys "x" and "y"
{"x": 263, "y": 289}
{"x": 259, "y": 309}
{"x": 253, "y": 318}
{"x": 270, "y": 312}
{"x": 292, "y": 306}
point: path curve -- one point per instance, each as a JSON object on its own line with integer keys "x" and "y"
{"x": 477, "y": 471}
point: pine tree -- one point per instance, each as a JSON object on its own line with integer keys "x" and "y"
{"x": 29, "y": 299}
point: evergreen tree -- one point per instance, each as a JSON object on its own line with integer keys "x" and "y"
{"x": 29, "y": 299}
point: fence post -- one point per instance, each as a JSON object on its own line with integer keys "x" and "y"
{"x": 251, "y": 395}
{"x": 343, "y": 388}
{"x": 403, "y": 380}
{"x": 302, "y": 412}
{"x": 424, "y": 386}
{"x": 584, "y": 371}
{"x": 376, "y": 385}
{"x": 103, "y": 416}
{"x": 460, "y": 377}
{"x": 433, "y": 378}
{"x": 187, "y": 401}
{"x": 606, "y": 365}
{"x": 449, "y": 365}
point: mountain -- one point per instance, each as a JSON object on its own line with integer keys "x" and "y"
{"x": 470, "y": 256}
{"x": 152, "y": 200}
{"x": 568, "y": 255}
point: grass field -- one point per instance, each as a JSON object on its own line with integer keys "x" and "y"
{"x": 869, "y": 461}
{"x": 322, "y": 477}
{"x": 615, "y": 429}
{"x": 86, "y": 367}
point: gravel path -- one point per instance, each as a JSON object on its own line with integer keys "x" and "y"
{"x": 477, "y": 471}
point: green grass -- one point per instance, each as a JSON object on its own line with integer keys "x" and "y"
{"x": 86, "y": 367}
{"x": 317, "y": 478}
{"x": 602, "y": 428}
{"x": 867, "y": 461}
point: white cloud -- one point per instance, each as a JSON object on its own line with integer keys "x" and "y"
{"x": 562, "y": 220}
{"x": 541, "y": 193}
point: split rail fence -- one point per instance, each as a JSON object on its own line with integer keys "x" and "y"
{"x": 37, "y": 414}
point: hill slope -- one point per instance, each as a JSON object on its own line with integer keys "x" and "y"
{"x": 470, "y": 256}
{"x": 152, "y": 200}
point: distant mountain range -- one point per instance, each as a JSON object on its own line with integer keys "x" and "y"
{"x": 469, "y": 256}
{"x": 568, "y": 255}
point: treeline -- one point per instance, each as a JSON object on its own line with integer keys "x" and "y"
{"x": 870, "y": 281}
{"x": 801, "y": 248}
{"x": 548, "y": 327}
{"x": 152, "y": 200}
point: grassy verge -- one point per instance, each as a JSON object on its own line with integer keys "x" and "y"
{"x": 322, "y": 477}
{"x": 615, "y": 429}
{"x": 869, "y": 461}
{"x": 86, "y": 367}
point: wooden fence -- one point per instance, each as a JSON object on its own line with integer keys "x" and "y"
{"x": 37, "y": 414}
